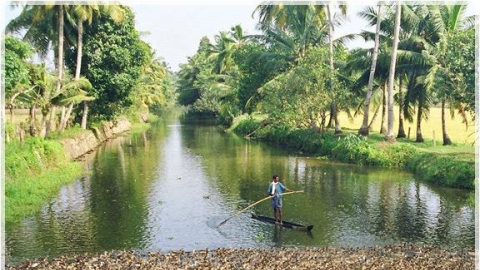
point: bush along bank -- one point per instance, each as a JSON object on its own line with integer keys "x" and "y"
{"x": 36, "y": 168}
{"x": 350, "y": 148}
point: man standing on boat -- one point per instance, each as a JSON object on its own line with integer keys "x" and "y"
{"x": 275, "y": 190}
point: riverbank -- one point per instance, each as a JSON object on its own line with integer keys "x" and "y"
{"x": 407, "y": 256}
{"x": 36, "y": 169}
{"x": 451, "y": 166}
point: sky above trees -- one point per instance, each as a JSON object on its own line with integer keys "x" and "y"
{"x": 174, "y": 28}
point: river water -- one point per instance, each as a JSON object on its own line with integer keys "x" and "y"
{"x": 171, "y": 187}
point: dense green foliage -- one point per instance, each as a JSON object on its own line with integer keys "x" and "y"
{"x": 124, "y": 76}
{"x": 113, "y": 58}
{"x": 254, "y": 71}
{"x": 16, "y": 67}
{"x": 459, "y": 51}
{"x": 299, "y": 79}
{"x": 288, "y": 72}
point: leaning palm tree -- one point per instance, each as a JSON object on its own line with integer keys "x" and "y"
{"x": 364, "y": 130}
{"x": 73, "y": 92}
{"x": 329, "y": 11}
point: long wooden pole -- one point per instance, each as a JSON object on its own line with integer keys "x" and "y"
{"x": 253, "y": 204}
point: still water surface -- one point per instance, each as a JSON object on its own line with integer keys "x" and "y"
{"x": 171, "y": 187}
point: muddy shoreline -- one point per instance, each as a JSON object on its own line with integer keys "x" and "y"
{"x": 405, "y": 256}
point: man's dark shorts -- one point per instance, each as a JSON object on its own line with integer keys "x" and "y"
{"x": 277, "y": 202}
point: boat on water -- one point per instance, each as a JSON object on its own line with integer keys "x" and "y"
{"x": 285, "y": 224}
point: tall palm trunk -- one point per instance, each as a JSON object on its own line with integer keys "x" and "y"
{"x": 84, "y": 115}
{"x": 419, "y": 122}
{"x": 401, "y": 128}
{"x": 338, "y": 128}
{"x": 383, "y": 130}
{"x": 77, "y": 71}
{"x": 63, "y": 122}
{"x": 375, "y": 115}
{"x": 61, "y": 23}
{"x": 78, "y": 68}
{"x": 43, "y": 125}
{"x": 33, "y": 122}
{"x": 446, "y": 138}
{"x": 364, "y": 129}
{"x": 391, "y": 75}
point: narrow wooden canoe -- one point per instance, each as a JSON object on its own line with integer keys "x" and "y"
{"x": 286, "y": 224}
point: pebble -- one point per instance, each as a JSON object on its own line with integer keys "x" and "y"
{"x": 406, "y": 256}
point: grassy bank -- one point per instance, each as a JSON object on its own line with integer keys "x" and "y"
{"x": 35, "y": 171}
{"x": 452, "y": 166}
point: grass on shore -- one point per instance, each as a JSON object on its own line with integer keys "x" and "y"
{"x": 25, "y": 196}
{"x": 37, "y": 169}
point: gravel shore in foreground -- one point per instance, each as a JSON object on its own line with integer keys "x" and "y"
{"x": 387, "y": 257}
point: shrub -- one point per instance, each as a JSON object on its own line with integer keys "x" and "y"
{"x": 246, "y": 127}
{"x": 355, "y": 149}
{"x": 327, "y": 142}
{"x": 400, "y": 153}
{"x": 442, "y": 170}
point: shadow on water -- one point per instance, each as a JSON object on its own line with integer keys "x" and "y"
{"x": 170, "y": 187}
{"x": 278, "y": 236}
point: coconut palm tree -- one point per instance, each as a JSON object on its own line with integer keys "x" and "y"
{"x": 37, "y": 25}
{"x": 82, "y": 14}
{"x": 221, "y": 53}
{"x": 42, "y": 33}
{"x": 423, "y": 27}
{"x": 43, "y": 93}
{"x": 343, "y": 9}
{"x": 391, "y": 78}
{"x": 74, "y": 91}
{"x": 409, "y": 58}
{"x": 293, "y": 28}
{"x": 364, "y": 130}
{"x": 272, "y": 14}
{"x": 298, "y": 28}
{"x": 149, "y": 90}
{"x": 446, "y": 20}
{"x": 415, "y": 33}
